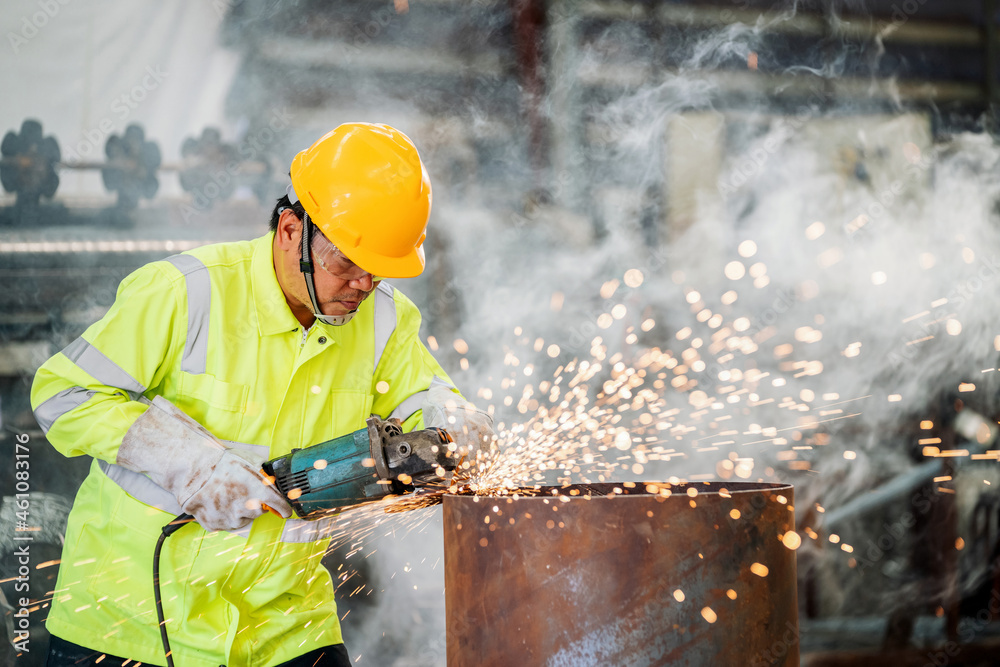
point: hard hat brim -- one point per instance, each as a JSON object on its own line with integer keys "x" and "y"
{"x": 410, "y": 265}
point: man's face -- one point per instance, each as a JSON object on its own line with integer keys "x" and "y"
{"x": 341, "y": 285}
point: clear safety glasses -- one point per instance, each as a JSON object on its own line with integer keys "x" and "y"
{"x": 329, "y": 258}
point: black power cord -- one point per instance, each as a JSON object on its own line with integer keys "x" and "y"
{"x": 175, "y": 524}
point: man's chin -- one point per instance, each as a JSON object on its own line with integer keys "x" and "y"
{"x": 338, "y": 308}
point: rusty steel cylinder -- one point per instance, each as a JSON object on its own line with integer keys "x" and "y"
{"x": 651, "y": 574}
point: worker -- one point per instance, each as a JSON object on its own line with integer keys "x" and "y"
{"x": 209, "y": 363}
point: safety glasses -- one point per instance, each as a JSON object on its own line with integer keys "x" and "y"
{"x": 329, "y": 258}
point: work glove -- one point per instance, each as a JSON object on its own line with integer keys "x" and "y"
{"x": 468, "y": 425}
{"x": 223, "y": 488}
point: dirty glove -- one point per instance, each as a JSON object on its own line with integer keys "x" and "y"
{"x": 223, "y": 488}
{"x": 469, "y": 426}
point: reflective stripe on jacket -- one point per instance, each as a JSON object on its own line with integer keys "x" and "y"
{"x": 210, "y": 331}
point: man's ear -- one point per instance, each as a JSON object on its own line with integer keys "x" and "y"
{"x": 289, "y": 229}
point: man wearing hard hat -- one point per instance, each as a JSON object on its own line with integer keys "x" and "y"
{"x": 272, "y": 344}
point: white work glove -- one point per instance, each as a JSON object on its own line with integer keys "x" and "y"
{"x": 468, "y": 425}
{"x": 223, "y": 488}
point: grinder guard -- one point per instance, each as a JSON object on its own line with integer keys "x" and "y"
{"x": 360, "y": 467}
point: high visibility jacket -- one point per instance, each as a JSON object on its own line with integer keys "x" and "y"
{"x": 210, "y": 330}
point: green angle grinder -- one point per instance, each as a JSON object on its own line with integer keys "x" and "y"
{"x": 361, "y": 467}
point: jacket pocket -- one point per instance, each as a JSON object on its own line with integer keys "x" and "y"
{"x": 217, "y": 393}
{"x": 216, "y": 404}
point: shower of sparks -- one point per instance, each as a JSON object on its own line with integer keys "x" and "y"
{"x": 725, "y": 398}
{"x": 621, "y": 412}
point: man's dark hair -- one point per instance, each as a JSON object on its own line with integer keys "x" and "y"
{"x": 285, "y": 203}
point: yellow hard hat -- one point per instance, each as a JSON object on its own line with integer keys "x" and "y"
{"x": 364, "y": 186}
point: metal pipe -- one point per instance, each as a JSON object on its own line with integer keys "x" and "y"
{"x": 605, "y": 574}
{"x": 896, "y": 487}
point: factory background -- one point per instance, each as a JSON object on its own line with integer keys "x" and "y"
{"x": 819, "y": 179}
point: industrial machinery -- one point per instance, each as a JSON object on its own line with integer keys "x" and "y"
{"x": 210, "y": 170}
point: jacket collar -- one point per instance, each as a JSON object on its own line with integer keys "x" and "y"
{"x": 270, "y": 308}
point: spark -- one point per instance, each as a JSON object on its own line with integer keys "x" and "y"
{"x": 609, "y": 412}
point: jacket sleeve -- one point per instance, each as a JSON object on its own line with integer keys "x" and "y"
{"x": 87, "y": 396}
{"x": 406, "y": 370}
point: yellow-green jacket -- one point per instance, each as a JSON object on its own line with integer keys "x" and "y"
{"x": 210, "y": 331}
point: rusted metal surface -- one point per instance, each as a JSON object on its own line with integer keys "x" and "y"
{"x": 635, "y": 578}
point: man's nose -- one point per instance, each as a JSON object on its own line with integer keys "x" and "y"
{"x": 365, "y": 283}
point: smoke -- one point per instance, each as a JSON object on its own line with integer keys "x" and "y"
{"x": 832, "y": 271}
{"x": 816, "y": 276}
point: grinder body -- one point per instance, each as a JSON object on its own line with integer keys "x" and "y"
{"x": 363, "y": 466}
